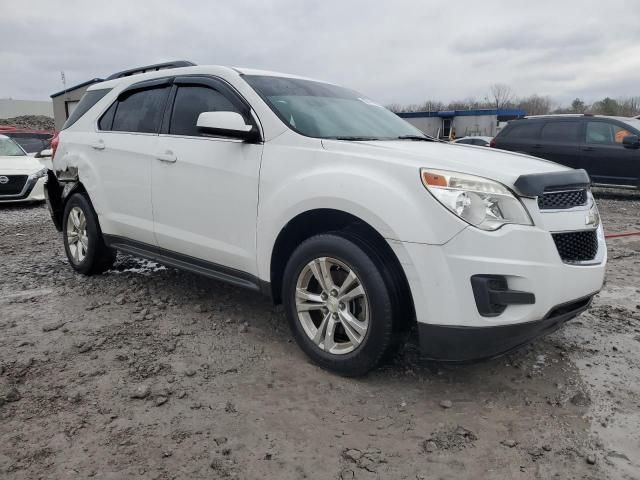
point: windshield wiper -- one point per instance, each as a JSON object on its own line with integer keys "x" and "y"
{"x": 354, "y": 138}
{"x": 416, "y": 137}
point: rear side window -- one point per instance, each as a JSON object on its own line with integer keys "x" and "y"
{"x": 88, "y": 100}
{"x": 190, "y": 102}
{"x": 560, "y": 131}
{"x": 140, "y": 111}
{"x": 523, "y": 131}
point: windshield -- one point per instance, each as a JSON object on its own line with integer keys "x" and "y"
{"x": 8, "y": 148}
{"x": 322, "y": 110}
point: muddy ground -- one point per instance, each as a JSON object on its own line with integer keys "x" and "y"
{"x": 151, "y": 373}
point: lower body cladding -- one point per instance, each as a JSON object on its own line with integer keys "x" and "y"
{"x": 483, "y": 294}
{"x": 29, "y": 190}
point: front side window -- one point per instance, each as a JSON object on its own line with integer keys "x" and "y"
{"x": 605, "y": 133}
{"x": 140, "y": 111}
{"x": 321, "y": 110}
{"x": 9, "y": 148}
{"x": 560, "y": 131}
{"x": 190, "y": 102}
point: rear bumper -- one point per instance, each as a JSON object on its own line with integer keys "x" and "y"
{"x": 459, "y": 344}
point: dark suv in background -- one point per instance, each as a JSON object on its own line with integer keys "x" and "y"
{"x": 608, "y": 148}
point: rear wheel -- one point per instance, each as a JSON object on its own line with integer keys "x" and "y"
{"x": 83, "y": 242}
{"x": 338, "y": 304}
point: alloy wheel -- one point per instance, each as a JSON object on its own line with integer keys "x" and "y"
{"x": 77, "y": 238}
{"x": 332, "y": 305}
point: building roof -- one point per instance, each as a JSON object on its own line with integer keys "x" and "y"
{"x": 500, "y": 112}
{"x": 76, "y": 87}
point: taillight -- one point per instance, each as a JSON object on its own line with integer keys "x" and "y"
{"x": 54, "y": 145}
{"x": 492, "y": 143}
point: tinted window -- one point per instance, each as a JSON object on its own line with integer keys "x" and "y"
{"x": 190, "y": 102}
{"x": 560, "y": 131}
{"x": 466, "y": 141}
{"x": 605, "y": 133}
{"x": 480, "y": 142}
{"x": 141, "y": 111}
{"x": 523, "y": 131}
{"x": 88, "y": 100}
{"x": 106, "y": 120}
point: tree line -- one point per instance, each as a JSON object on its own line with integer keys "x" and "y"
{"x": 502, "y": 96}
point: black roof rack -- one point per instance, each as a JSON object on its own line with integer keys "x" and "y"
{"x": 151, "y": 68}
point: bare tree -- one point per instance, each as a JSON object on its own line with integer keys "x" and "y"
{"x": 500, "y": 95}
{"x": 578, "y": 106}
{"x": 535, "y": 105}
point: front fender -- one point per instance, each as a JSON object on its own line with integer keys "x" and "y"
{"x": 389, "y": 197}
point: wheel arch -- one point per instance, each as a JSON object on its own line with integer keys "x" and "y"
{"x": 323, "y": 220}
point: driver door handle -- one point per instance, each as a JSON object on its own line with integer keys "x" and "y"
{"x": 167, "y": 157}
{"x": 588, "y": 149}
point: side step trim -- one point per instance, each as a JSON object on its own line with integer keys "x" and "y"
{"x": 185, "y": 262}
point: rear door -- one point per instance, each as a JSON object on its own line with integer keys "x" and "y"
{"x": 124, "y": 149}
{"x": 607, "y": 161}
{"x": 561, "y": 142}
{"x": 521, "y": 136}
{"x": 205, "y": 188}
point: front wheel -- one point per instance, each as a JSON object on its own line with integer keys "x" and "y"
{"x": 338, "y": 304}
{"x": 83, "y": 241}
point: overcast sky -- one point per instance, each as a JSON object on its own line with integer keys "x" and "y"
{"x": 398, "y": 51}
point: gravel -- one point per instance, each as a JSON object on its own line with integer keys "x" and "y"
{"x": 126, "y": 407}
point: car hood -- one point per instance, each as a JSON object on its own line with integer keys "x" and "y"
{"x": 500, "y": 165}
{"x": 24, "y": 164}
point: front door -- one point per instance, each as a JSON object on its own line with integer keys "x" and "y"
{"x": 205, "y": 188}
{"x": 607, "y": 161}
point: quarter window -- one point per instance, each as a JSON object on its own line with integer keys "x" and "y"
{"x": 560, "y": 131}
{"x": 190, "y": 102}
{"x": 141, "y": 111}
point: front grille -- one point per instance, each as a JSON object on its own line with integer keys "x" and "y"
{"x": 562, "y": 200}
{"x": 14, "y": 185}
{"x": 577, "y": 246}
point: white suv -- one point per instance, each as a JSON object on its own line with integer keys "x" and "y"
{"x": 332, "y": 205}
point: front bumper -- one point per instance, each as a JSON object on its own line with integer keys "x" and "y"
{"x": 526, "y": 257}
{"x": 457, "y": 344}
{"x": 33, "y": 191}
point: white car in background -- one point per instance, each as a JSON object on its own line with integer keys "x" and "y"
{"x": 21, "y": 175}
{"x": 477, "y": 141}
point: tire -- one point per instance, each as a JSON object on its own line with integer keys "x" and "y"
{"x": 89, "y": 255}
{"x": 340, "y": 254}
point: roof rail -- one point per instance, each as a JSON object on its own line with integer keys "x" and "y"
{"x": 151, "y": 68}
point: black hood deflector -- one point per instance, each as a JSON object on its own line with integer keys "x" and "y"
{"x": 535, "y": 184}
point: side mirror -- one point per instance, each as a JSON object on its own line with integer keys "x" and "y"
{"x": 227, "y": 124}
{"x": 631, "y": 141}
{"x": 47, "y": 153}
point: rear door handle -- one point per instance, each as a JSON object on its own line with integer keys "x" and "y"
{"x": 588, "y": 149}
{"x": 98, "y": 145}
{"x": 168, "y": 157}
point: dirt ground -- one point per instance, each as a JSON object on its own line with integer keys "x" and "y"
{"x": 151, "y": 373}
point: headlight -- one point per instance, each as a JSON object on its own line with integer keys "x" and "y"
{"x": 479, "y": 201}
{"x": 40, "y": 173}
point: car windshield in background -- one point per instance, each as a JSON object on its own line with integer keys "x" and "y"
{"x": 32, "y": 144}
{"x": 321, "y": 110}
{"x": 8, "y": 148}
